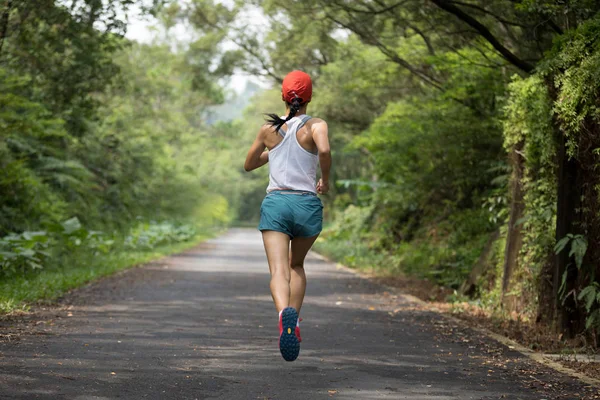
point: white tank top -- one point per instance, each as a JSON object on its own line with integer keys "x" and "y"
{"x": 291, "y": 166}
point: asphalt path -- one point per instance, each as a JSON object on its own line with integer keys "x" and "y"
{"x": 202, "y": 325}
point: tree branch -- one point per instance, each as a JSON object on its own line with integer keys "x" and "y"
{"x": 394, "y": 57}
{"x": 262, "y": 62}
{"x": 485, "y": 33}
{"x": 424, "y": 37}
{"x": 240, "y": 44}
{"x": 483, "y": 10}
{"x": 371, "y": 11}
{"x": 388, "y": 53}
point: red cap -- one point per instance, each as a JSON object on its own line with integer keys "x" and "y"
{"x": 297, "y": 84}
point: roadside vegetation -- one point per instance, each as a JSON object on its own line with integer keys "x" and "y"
{"x": 105, "y": 158}
{"x": 38, "y": 266}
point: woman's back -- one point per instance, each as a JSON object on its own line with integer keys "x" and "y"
{"x": 291, "y": 165}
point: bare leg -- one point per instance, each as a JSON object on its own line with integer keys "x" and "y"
{"x": 300, "y": 247}
{"x": 277, "y": 246}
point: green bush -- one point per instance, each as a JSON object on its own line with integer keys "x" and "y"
{"x": 23, "y": 252}
{"x": 151, "y": 235}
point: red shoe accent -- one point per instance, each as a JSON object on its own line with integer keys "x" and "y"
{"x": 298, "y": 333}
{"x": 280, "y": 325}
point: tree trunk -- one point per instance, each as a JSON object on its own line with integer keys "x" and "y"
{"x": 565, "y": 216}
{"x": 514, "y": 237}
{"x": 546, "y": 308}
{"x": 469, "y": 287}
{"x": 4, "y": 23}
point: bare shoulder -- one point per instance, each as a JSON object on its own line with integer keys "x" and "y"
{"x": 265, "y": 130}
{"x": 318, "y": 125}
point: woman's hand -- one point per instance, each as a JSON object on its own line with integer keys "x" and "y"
{"x": 322, "y": 187}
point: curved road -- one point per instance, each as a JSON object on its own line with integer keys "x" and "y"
{"x": 201, "y": 325}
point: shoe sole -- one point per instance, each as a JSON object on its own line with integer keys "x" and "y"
{"x": 289, "y": 346}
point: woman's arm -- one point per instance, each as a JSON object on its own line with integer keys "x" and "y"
{"x": 321, "y": 138}
{"x": 257, "y": 155}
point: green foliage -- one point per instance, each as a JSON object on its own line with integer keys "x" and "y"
{"x": 96, "y": 127}
{"x": 573, "y": 65}
{"x": 75, "y": 269}
{"x": 446, "y": 252}
{"x": 97, "y": 136}
{"x": 352, "y": 223}
{"x": 23, "y": 252}
{"x": 528, "y": 131}
{"x": 441, "y": 252}
{"x": 591, "y": 296}
{"x": 151, "y": 235}
{"x": 572, "y": 68}
{"x": 348, "y": 238}
{"x": 430, "y": 156}
{"x": 578, "y": 247}
{"x": 29, "y": 251}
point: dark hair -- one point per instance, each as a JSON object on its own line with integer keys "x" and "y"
{"x": 277, "y": 122}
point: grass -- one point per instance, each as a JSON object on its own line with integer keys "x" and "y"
{"x": 350, "y": 253}
{"x": 18, "y": 292}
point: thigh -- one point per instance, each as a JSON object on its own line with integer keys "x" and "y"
{"x": 300, "y": 247}
{"x": 277, "y": 245}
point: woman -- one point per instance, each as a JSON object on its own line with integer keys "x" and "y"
{"x": 291, "y": 214}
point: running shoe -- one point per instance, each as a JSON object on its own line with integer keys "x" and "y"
{"x": 289, "y": 345}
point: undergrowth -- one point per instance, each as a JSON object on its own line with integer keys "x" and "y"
{"x": 43, "y": 274}
{"x": 443, "y": 253}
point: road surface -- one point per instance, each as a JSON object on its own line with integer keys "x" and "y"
{"x": 201, "y": 325}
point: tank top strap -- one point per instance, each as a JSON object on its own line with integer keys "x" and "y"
{"x": 298, "y": 122}
{"x": 303, "y": 120}
{"x": 295, "y": 125}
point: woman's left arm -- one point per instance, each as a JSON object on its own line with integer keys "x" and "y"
{"x": 257, "y": 155}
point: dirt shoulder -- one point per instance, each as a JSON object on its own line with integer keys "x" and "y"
{"x": 578, "y": 354}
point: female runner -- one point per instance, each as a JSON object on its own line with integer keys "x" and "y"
{"x": 291, "y": 215}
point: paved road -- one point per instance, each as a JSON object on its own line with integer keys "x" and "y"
{"x": 201, "y": 325}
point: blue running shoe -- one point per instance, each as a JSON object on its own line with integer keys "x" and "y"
{"x": 289, "y": 345}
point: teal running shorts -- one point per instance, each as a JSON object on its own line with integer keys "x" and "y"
{"x": 297, "y": 214}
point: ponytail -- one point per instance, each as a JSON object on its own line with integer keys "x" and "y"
{"x": 277, "y": 122}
